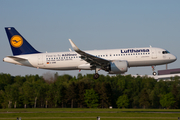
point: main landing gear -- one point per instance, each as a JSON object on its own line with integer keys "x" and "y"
{"x": 154, "y": 73}
{"x": 96, "y": 75}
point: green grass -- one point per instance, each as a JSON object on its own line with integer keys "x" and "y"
{"x": 89, "y": 114}
{"x": 85, "y": 110}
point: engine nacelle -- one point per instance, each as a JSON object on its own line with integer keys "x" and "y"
{"x": 85, "y": 67}
{"x": 118, "y": 67}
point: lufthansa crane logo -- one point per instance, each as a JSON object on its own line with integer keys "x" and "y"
{"x": 16, "y": 41}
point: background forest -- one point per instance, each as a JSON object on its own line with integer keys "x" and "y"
{"x": 65, "y": 91}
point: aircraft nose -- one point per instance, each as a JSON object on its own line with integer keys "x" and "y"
{"x": 174, "y": 58}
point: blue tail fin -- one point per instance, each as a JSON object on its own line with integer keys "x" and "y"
{"x": 18, "y": 43}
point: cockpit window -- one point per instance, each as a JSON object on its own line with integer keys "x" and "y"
{"x": 165, "y": 52}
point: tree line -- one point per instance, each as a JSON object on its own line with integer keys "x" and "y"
{"x": 65, "y": 91}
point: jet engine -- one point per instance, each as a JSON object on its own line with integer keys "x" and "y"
{"x": 118, "y": 67}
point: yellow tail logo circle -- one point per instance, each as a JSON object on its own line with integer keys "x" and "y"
{"x": 16, "y": 41}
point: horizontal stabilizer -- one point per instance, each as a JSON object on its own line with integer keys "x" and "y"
{"x": 16, "y": 58}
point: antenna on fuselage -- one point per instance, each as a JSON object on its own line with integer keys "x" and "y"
{"x": 70, "y": 50}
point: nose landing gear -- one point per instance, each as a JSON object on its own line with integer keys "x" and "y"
{"x": 154, "y": 73}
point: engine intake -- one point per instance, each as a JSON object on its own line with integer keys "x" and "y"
{"x": 118, "y": 67}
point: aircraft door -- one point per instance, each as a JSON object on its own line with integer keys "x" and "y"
{"x": 153, "y": 53}
{"x": 40, "y": 59}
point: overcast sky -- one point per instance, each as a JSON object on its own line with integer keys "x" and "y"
{"x": 91, "y": 24}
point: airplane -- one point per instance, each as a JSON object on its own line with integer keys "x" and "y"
{"x": 113, "y": 61}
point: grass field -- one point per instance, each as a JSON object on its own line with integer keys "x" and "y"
{"x": 89, "y": 114}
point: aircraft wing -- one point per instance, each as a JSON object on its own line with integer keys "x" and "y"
{"x": 93, "y": 60}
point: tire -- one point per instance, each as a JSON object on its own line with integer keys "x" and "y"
{"x": 96, "y": 76}
{"x": 154, "y": 73}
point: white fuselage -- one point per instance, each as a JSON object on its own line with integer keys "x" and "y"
{"x": 71, "y": 60}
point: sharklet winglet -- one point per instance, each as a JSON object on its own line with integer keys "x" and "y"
{"x": 73, "y": 45}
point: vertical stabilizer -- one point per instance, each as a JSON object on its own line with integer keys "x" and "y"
{"x": 18, "y": 43}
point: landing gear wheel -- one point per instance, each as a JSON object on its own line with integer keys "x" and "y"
{"x": 96, "y": 76}
{"x": 154, "y": 73}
